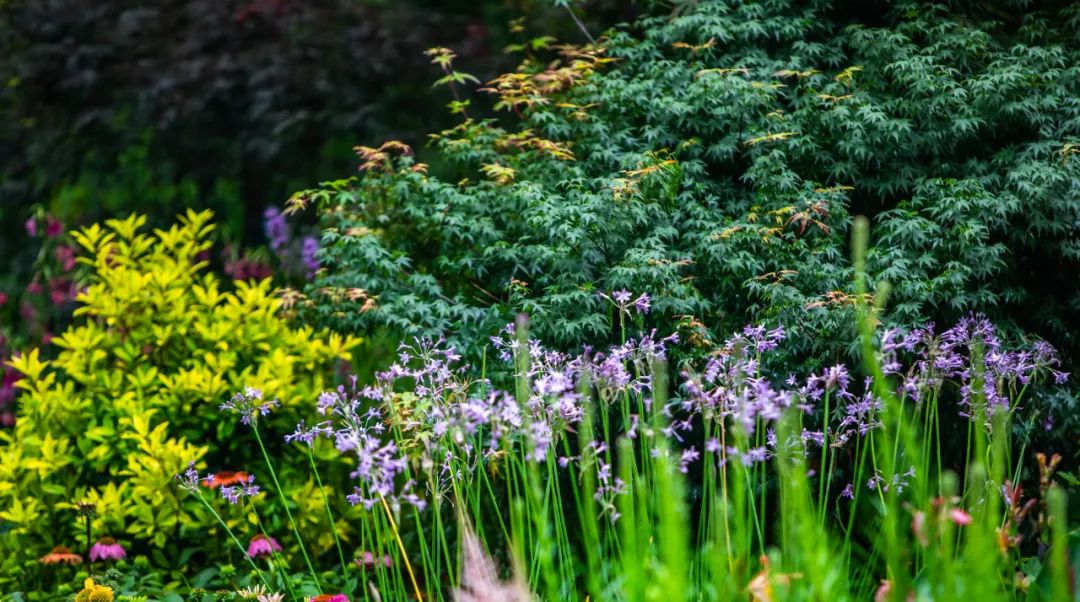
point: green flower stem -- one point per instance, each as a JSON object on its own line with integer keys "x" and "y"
{"x": 243, "y": 550}
{"x": 282, "y": 573}
{"x": 330, "y": 517}
{"x": 285, "y": 504}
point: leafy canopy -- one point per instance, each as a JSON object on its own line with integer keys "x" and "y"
{"x": 714, "y": 159}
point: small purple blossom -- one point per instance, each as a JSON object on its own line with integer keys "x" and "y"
{"x": 308, "y": 435}
{"x": 234, "y": 493}
{"x": 249, "y": 405}
{"x": 189, "y": 480}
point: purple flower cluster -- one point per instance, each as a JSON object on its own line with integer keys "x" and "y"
{"x": 626, "y": 302}
{"x": 730, "y": 386}
{"x": 357, "y": 427}
{"x": 189, "y": 480}
{"x": 277, "y": 230}
{"x": 234, "y": 493}
{"x": 299, "y": 255}
{"x": 427, "y": 414}
{"x": 249, "y": 404}
{"x": 309, "y": 250}
{"x": 990, "y": 377}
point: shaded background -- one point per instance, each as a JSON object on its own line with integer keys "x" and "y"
{"x": 154, "y": 106}
{"x": 112, "y": 107}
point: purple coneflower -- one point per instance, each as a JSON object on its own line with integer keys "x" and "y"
{"x": 106, "y": 548}
{"x": 262, "y": 546}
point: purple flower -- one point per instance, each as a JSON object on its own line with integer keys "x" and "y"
{"x": 309, "y": 249}
{"x": 247, "y": 489}
{"x": 308, "y": 435}
{"x": 106, "y": 548}
{"x": 249, "y": 405}
{"x": 817, "y": 438}
{"x": 189, "y": 480}
{"x": 689, "y": 456}
{"x": 641, "y": 304}
{"x": 624, "y": 300}
{"x": 755, "y": 455}
{"x": 277, "y": 231}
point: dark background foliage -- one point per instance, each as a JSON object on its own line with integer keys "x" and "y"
{"x": 153, "y": 106}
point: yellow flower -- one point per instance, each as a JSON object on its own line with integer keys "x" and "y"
{"x": 92, "y": 592}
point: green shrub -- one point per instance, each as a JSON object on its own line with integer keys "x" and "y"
{"x": 714, "y": 159}
{"x": 133, "y": 394}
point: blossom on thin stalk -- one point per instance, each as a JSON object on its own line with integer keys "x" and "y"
{"x": 249, "y": 404}
{"x": 235, "y": 493}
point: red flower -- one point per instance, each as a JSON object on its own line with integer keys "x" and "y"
{"x": 225, "y": 478}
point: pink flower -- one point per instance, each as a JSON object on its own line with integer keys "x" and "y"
{"x": 31, "y": 227}
{"x": 367, "y": 561}
{"x": 60, "y": 290}
{"x": 959, "y": 517}
{"x": 53, "y": 227}
{"x": 106, "y": 549}
{"x": 65, "y": 256}
{"x": 261, "y": 546}
{"x": 3, "y": 298}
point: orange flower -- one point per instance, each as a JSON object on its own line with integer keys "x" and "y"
{"x": 60, "y": 555}
{"x": 225, "y": 478}
{"x": 761, "y": 586}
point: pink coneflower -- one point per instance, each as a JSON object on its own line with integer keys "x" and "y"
{"x": 262, "y": 546}
{"x": 60, "y": 555}
{"x": 106, "y": 548}
{"x": 330, "y": 598}
{"x": 959, "y": 517}
{"x": 367, "y": 561}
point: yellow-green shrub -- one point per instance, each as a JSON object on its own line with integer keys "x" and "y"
{"x": 134, "y": 392}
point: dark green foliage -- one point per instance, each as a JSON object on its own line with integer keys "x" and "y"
{"x": 717, "y": 163}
